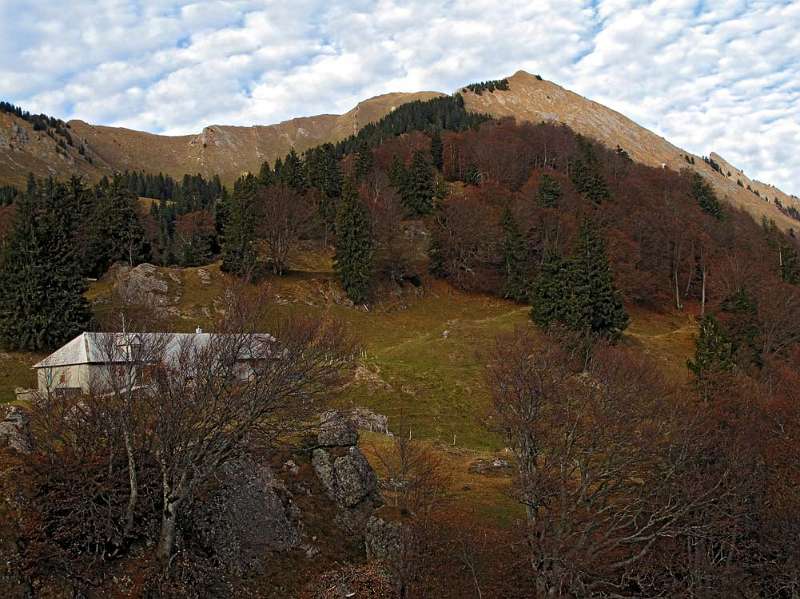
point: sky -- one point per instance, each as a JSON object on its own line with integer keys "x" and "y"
{"x": 721, "y": 75}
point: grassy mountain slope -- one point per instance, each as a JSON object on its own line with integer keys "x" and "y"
{"x": 229, "y": 151}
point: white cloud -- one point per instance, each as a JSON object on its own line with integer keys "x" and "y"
{"x": 718, "y": 76}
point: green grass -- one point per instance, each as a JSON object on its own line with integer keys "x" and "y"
{"x": 15, "y": 371}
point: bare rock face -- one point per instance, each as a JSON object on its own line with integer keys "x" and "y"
{"x": 15, "y": 431}
{"x": 250, "y": 513}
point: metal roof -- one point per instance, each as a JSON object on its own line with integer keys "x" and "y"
{"x": 93, "y": 348}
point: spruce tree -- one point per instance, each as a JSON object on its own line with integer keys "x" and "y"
{"x": 292, "y": 174}
{"x": 705, "y": 196}
{"x": 739, "y": 316}
{"x": 365, "y": 161}
{"x": 472, "y": 176}
{"x": 713, "y": 355}
{"x": 437, "y": 150}
{"x": 238, "y": 242}
{"x": 354, "y": 245}
{"x": 549, "y": 192}
{"x": 515, "y": 260}
{"x": 265, "y": 176}
{"x": 550, "y": 291}
{"x": 586, "y": 174}
{"x": 41, "y": 287}
{"x": 597, "y": 305}
{"x": 114, "y": 230}
{"x": 579, "y": 292}
{"x": 420, "y": 186}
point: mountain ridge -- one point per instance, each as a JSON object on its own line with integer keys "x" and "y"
{"x": 230, "y": 150}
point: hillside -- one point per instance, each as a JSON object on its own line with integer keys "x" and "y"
{"x": 229, "y": 150}
{"x": 24, "y": 150}
{"x": 218, "y": 149}
{"x": 532, "y": 99}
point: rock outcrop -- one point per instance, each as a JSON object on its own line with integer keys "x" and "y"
{"x": 345, "y": 474}
{"x": 382, "y": 539}
{"x": 144, "y": 285}
{"x": 249, "y": 514}
{"x": 15, "y": 431}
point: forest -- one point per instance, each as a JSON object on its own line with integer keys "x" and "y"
{"x": 631, "y": 484}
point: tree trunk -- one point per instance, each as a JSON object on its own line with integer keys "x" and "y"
{"x": 169, "y": 526}
{"x": 703, "y": 294}
{"x": 134, "y": 485}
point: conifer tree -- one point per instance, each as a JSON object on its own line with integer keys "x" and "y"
{"x": 586, "y": 174}
{"x": 549, "y": 192}
{"x": 713, "y": 355}
{"x": 398, "y": 174}
{"x": 420, "y": 188}
{"x": 550, "y": 291}
{"x": 437, "y": 150}
{"x": 114, "y": 231}
{"x": 515, "y": 260}
{"x": 238, "y": 244}
{"x": 597, "y": 305}
{"x": 739, "y": 316}
{"x": 292, "y": 172}
{"x": 41, "y": 287}
{"x": 472, "y": 176}
{"x": 365, "y": 161}
{"x": 705, "y": 196}
{"x": 579, "y": 292}
{"x": 265, "y": 176}
{"x": 790, "y": 264}
{"x": 354, "y": 245}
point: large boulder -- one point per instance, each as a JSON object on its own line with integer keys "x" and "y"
{"x": 382, "y": 539}
{"x": 144, "y": 285}
{"x": 348, "y": 479}
{"x": 337, "y": 430}
{"x": 251, "y": 512}
{"x": 15, "y": 430}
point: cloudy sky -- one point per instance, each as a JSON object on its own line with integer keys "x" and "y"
{"x": 721, "y": 75}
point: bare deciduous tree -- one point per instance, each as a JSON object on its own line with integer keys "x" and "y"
{"x": 285, "y": 216}
{"x": 602, "y": 461}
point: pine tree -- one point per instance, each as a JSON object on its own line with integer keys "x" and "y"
{"x": 238, "y": 245}
{"x": 354, "y": 245}
{"x": 713, "y": 355}
{"x": 41, "y": 288}
{"x": 437, "y": 150}
{"x": 704, "y": 194}
{"x": 549, "y": 193}
{"x": 790, "y": 264}
{"x": 515, "y": 260}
